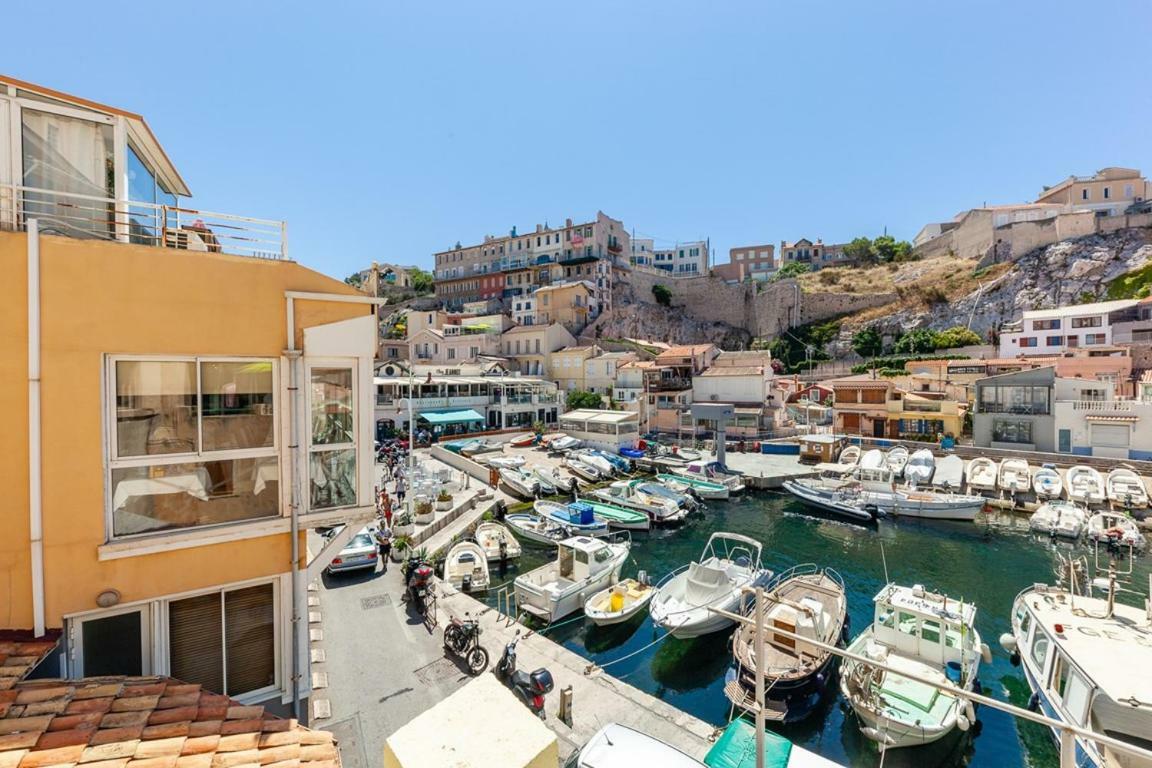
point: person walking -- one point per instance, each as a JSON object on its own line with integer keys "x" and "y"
{"x": 400, "y": 489}
{"x": 386, "y": 509}
{"x": 384, "y": 544}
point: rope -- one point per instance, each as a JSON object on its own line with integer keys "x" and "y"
{"x": 592, "y": 667}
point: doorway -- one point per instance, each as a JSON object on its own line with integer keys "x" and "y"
{"x": 112, "y": 644}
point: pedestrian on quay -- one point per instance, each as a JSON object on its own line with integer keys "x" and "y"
{"x": 400, "y": 489}
{"x": 384, "y": 544}
{"x": 386, "y": 509}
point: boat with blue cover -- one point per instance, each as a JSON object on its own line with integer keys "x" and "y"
{"x": 578, "y": 517}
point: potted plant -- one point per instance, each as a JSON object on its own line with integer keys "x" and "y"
{"x": 425, "y": 512}
{"x": 443, "y": 501}
{"x": 402, "y": 525}
{"x": 400, "y": 547}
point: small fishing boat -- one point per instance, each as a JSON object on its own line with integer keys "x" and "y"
{"x": 705, "y": 489}
{"x": 466, "y": 567}
{"x": 537, "y": 529}
{"x": 578, "y": 517}
{"x": 1084, "y": 484}
{"x": 628, "y": 494}
{"x": 620, "y": 602}
{"x": 1109, "y": 527}
{"x": 583, "y": 566}
{"x": 949, "y": 474}
{"x": 457, "y": 446}
{"x": 1126, "y": 489}
{"x": 920, "y": 466}
{"x": 687, "y": 454}
{"x": 497, "y": 542}
{"x": 632, "y": 453}
{"x": 551, "y": 481}
{"x": 715, "y": 472}
{"x": 982, "y": 474}
{"x": 655, "y": 492}
{"x": 480, "y": 446}
{"x": 843, "y": 502}
{"x": 519, "y": 483}
{"x": 593, "y": 459}
{"x": 850, "y": 456}
{"x": 924, "y": 634}
{"x": 618, "y": 516}
{"x": 684, "y": 599}
{"x": 523, "y": 441}
{"x": 873, "y": 458}
{"x": 505, "y": 462}
{"x": 1062, "y": 519}
{"x": 1014, "y": 476}
{"x": 805, "y": 600}
{"x": 618, "y": 462}
{"x": 878, "y": 489}
{"x": 583, "y": 469}
{"x": 897, "y": 460}
{"x": 1047, "y": 483}
{"x": 562, "y": 442}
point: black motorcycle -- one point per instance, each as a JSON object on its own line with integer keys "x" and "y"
{"x": 528, "y": 687}
{"x": 418, "y": 583}
{"x": 462, "y": 637}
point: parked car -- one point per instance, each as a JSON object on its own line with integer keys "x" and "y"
{"x": 360, "y": 552}
{"x": 618, "y": 746}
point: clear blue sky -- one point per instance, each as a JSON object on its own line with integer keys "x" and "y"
{"x": 390, "y": 130}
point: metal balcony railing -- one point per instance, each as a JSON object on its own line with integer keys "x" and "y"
{"x": 163, "y": 226}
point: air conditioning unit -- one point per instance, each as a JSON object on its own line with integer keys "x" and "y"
{"x": 713, "y": 398}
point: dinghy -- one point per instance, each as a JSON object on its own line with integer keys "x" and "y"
{"x": 1126, "y": 489}
{"x": 519, "y": 483}
{"x": 583, "y": 566}
{"x": 551, "y": 481}
{"x": 497, "y": 542}
{"x": 524, "y": 440}
{"x": 537, "y": 529}
{"x": 897, "y": 460}
{"x": 561, "y": 443}
{"x": 843, "y": 502}
{"x": 850, "y": 456}
{"x": 506, "y": 462}
{"x": 630, "y": 494}
{"x": 1084, "y": 484}
{"x": 480, "y": 446}
{"x": 1109, "y": 527}
{"x": 582, "y": 469}
{"x": 466, "y": 567}
{"x": 715, "y": 472}
{"x": 1047, "y": 483}
{"x": 578, "y": 517}
{"x": 873, "y": 458}
{"x": 982, "y": 474}
{"x": 705, "y": 489}
{"x": 728, "y": 563}
{"x": 594, "y": 459}
{"x": 920, "y": 466}
{"x": 620, "y": 602}
{"x": 1062, "y": 519}
{"x": 1014, "y": 476}
{"x": 949, "y": 474}
{"x": 619, "y": 517}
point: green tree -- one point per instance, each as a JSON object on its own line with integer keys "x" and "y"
{"x": 886, "y": 248}
{"x": 662, "y": 294}
{"x": 867, "y": 342}
{"x": 579, "y": 398}
{"x": 860, "y": 251}
{"x": 791, "y": 269}
{"x": 422, "y": 282}
{"x": 917, "y": 341}
{"x": 355, "y": 280}
{"x": 957, "y": 336}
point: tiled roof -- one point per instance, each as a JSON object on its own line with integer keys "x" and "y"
{"x": 18, "y": 658}
{"x": 148, "y": 722}
{"x": 735, "y": 370}
{"x": 686, "y": 350}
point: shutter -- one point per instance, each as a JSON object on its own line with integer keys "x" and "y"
{"x": 195, "y": 640}
{"x": 1110, "y": 436}
{"x": 250, "y": 627}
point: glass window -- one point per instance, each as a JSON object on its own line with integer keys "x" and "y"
{"x": 1040, "y": 649}
{"x": 236, "y": 405}
{"x": 156, "y": 409}
{"x": 906, "y": 623}
{"x": 332, "y": 470}
{"x": 225, "y": 641}
{"x": 930, "y": 631}
{"x": 332, "y": 417}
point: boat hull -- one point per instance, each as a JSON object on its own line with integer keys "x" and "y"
{"x": 845, "y": 509}
{"x": 794, "y": 700}
{"x": 570, "y": 600}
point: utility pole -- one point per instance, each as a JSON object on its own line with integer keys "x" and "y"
{"x": 759, "y": 677}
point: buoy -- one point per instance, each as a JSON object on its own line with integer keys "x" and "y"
{"x": 963, "y": 723}
{"x": 985, "y": 653}
{"x": 1034, "y": 702}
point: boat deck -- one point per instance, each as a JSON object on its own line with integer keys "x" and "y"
{"x": 782, "y": 659}
{"x": 905, "y": 700}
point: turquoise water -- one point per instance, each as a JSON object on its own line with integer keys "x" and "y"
{"x": 983, "y": 563}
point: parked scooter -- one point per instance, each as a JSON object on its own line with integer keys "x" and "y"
{"x": 528, "y": 687}
{"x": 418, "y": 583}
{"x": 462, "y": 637}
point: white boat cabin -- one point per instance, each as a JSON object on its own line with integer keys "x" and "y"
{"x": 583, "y": 557}
{"x": 925, "y": 625}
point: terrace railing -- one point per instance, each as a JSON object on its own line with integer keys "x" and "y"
{"x": 164, "y": 226}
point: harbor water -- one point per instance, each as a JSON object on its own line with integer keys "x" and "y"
{"x": 986, "y": 563}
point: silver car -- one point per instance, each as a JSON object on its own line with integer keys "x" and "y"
{"x": 360, "y": 552}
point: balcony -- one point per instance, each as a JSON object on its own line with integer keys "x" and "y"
{"x": 670, "y": 385}
{"x": 162, "y": 226}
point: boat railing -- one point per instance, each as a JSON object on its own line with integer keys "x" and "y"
{"x": 803, "y": 569}
{"x": 618, "y": 537}
{"x": 672, "y": 574}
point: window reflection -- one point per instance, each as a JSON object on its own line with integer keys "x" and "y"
{"x": 155, "y": 407}
{"x": 236, "y": 405}
{"x": 332, "y": 411}
{"x": 333, "y": 479}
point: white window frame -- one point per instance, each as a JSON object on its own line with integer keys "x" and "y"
{"x": 111, "y": 448}
{"x": 353, "y": 364}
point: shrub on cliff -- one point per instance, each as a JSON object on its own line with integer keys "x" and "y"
{"x": 662, "y": 294}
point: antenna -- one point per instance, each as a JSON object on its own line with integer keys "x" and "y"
{"x": 884, "y": 560}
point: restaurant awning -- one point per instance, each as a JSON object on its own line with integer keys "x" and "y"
{"x": 451, "y": 417}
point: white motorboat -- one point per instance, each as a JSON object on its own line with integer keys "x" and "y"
{"x": 505, "y": 462}
{"x": 1014, "y": 476}
{"x": 619, "y": 463}
{"x": 562, "y": 443}
{"x": 843, "y": 502}
{"x": 850, "y": 456}
{"x": 715, "y": 472}
{"x": 897, "y": 460}
{"x": 551, "y": 481}
{"x": 593, "y": 459}
{"x": 654, "y": 490}
{"x": 873, "y": 458}
{"x": 537, "y": 529}
{"x": 497, "y": 542}
{"x": 1063, "y": 519}
{"x": 519, "y": 483}
{"x": 1109, "y": 527}
{"x": 1088, "y": 663}
{"x": 805, "y": 600}
{"x": 632, "y": 494}
{"x": 923, "y": 634}
{"x": 684, "y": 598}
{"x": 583, "y": 567}
{"x": 480, "y": 446}
{"x": 920, "y": 466}
{"x": 582, "y": 469}
{"x": 982, "y": 474}
{"x": 619, "y": 602}
{"x": 466, "y": 567}
{"x": 705, "y": 489}
{"x": 878, "y": 489}
{"x": 1084, "y": 484}
{"x": 1047, "y": 483}
{"x": 577, "y": 517}
{"x": 1126, "y": 489}
{"x": 949, "y": 474}
{"x": 688, "y": 454}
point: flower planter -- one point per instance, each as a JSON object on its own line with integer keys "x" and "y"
{"x": 423, "y": 518}
{"x": 396, "y": 555}
{"x": 403, "y": 530}
{"x": 443, "y": 506}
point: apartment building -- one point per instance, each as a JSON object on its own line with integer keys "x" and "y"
{"x": 572, "y": 303}
{"x": 748, "y": 262}
{"x": 600, "y": 371}
{"x": 985, "y": 219}
{"x": 683, "y": 259}
{"x": 872, "y": 407}
{"x": 182, "y": 399}
{"x": 1084, "y": 326}
{"x": 529, "y": 348}
{"x": 568, "y": 369}
{"x": 518, "y": 264}
{"x": 815, "y": 254}
{"x": 745, "y": 381}
{"x": 1109, "y": 191}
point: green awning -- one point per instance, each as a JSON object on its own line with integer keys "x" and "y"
{"x": 736, "y": 748}
{"x": 451, "y": 417}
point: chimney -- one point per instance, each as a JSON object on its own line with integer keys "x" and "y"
{"x": 539, "y": 227}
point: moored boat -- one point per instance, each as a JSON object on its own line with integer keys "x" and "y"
{"x": 684, "y": 599}
{"x": 480, "y": 446}
{"x": 582, "y": 469}
{"x": 551, "y": 481}
{"x": 1062, "y": 519}
{"x": 524, "y": 440}
{"x": 519, "y": 483}
{"x": 619, "y": 603}
{"x": 843, "y": 502}
{"x": 897, "y": 460}
{"x": 466, "y": 567}
{"x": 715, "y": 472}
{"x": 877, "y": 488}
{"x": 1125, "y": 489}
{"x": 583, "y": 567}
{"x": 850, "y": 456}
{"x": 1084, "y": 484}
{"x": 1115, "y": 528}
{"x": 497, "y": 542}
{"x": 562, "y": 442}
{"x": 618, "y": 516}
{"x": 705, "y": 489}
{"x": 805, "y": 600}
{"x": 949, "y": 474}
{"x": 618, "y": 462}
{"x": 537, "y": 529}
{"x": 577, "y": 517}
{"x": 920, "y": 467}
{"x": 629, "y": 495}
{"x": 505, "y": 462}
{"x": 594, "y": 459}
{"x": 1047, "y": 483}
{"x": 1014, "y": 476}
{"x": 982, "y": 474}
{"x": 924, "y": 634}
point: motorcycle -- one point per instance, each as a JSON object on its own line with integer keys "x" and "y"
{"x": 418, "y": 583}
{"x": 462, "y": 637}
{"x": 528, "y": 687}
